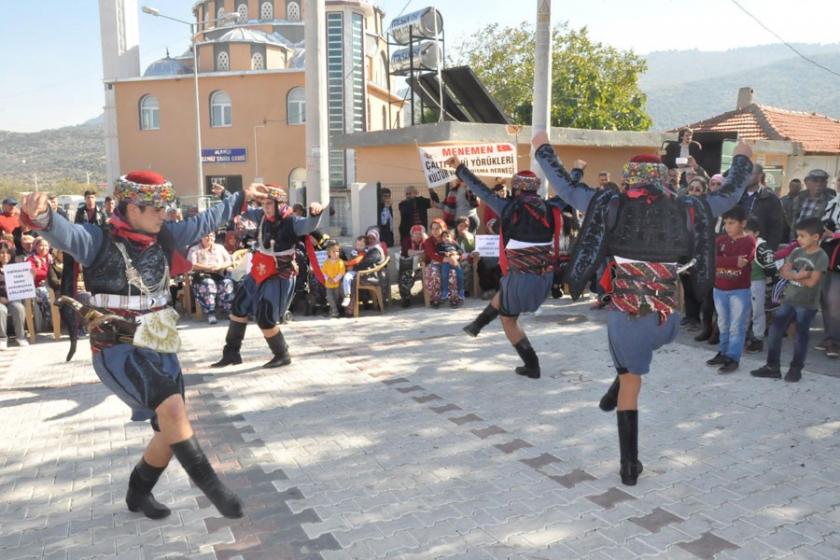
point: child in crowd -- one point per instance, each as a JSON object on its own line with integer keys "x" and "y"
{"x": 357, "y": 255}
{"x": 734, "y": 252}
{"x": 451, "y": 254}
{"x": 804, "y": 269}
{"x": 333, "y": 269}
{"x": 763, "y": 267}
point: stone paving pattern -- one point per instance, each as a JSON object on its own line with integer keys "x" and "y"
{"x": 395, "y": 436}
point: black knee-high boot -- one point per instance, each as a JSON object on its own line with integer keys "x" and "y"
{"x": 610, "y": 399}
{"x": 529, "y": 356}
{"x": 233, "y": 344}
{"x": 139, "y": 496}
{"x": 484, "y": 318}
{"x": 280, "y": 350}
{"x": 195, "y": 462}
{"x": 628, "y": 440}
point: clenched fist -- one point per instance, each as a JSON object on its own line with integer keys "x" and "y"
{"x": 34, "y": 204}
{"x": 452, "y": 162}
{"x": 742, "y": 149}
{"x": 539, "y": 139}
{"x": 315, "y": 209}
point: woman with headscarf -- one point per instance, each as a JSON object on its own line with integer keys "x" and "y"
{"x": 412, "y": 250}
{"x": 431, "y": 274}
{"x": 374, "y": 256}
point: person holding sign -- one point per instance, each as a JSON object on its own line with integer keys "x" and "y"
{"x": 267, "y": 291}
{"x": 646, "y": 231}
{"x": 8, "y": 307}
{"x": 529, "y": 240}
{"x": 134, "y": 339}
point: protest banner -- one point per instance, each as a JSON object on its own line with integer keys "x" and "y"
{"x": 489, "y": 160}
{"x": 487, "y": 245}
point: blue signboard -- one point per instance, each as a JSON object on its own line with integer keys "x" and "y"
{"x": 223, "y": 155}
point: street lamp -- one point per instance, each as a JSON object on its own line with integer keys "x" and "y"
{"x": 193, "y": 33}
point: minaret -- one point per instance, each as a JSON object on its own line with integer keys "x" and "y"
{"x": 120, "y": 59}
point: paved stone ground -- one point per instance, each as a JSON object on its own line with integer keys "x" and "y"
{"x": 394, "y": 436}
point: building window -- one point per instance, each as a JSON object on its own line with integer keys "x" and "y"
{"x": 242, "y": 10}
{"x": 222, "y": 61}
{"x": 380, "y": 72}
{"x": 149, "y": 113}
{"x": 357, "y": 37}
{"x": 266, "y": 10}
{"x": 220, "y": 109}
{"x": 293, "y": 11}
{"x": 257, "y": 61}
{"x": 219, "y": 15}
{"x": 297, "y": 178}
{"x": 335, "y": 93}
{"x": 296, "y": 105}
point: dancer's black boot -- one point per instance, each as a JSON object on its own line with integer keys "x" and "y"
{"x": 233, "y": 344}
{"x": 280, "y": 350}
{"x": 484, "y": 318}
{"x": 139, "y": 496}
{"x": 628, "y": 440}
{"x": 529, "y": 356}
{"x": 195, "y": 462}
{"x": 610, "y": 399}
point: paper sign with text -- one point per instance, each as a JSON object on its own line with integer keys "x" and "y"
{"x": 20, "y": 284}
{"x": 489, "y": 160}
{"x": 487, "y": 245}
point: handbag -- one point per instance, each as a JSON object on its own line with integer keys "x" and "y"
{"x": 157, "y": 331}
{"x": 263, "y": 267}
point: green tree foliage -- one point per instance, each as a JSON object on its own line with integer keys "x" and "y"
{"x": 594, "y": 86}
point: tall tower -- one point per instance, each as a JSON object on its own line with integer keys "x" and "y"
{"x": 120, "y": 59}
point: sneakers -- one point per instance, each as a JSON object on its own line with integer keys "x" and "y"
{"x": 346, "y": 301}
{"x": 22, "y": 341}
{"x": 211, "y": 319}
{"x": 767, "y": 371}
{"x": 718, "y": 360}
{"x": 823, "y": 345}
{"x": 832, "y": 350}
{"x": 754, "y": 345}
{"x": 729, "y": 366}
{"x": 4, "y": 343}
{"x": 794, "y": 374}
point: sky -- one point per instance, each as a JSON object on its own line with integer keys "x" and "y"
{"x": 51, "y": 69}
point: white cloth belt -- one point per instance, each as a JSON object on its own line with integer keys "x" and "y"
{"x": 133, "y": 303}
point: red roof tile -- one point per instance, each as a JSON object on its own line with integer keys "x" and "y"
{"x": 816, "y": 133}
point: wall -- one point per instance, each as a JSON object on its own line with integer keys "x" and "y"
{"x": 171, "y": 150}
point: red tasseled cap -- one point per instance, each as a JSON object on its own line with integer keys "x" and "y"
{"x": 527, "y": 173}
{"x": 145, "y": 177}
{"x": 646, "y": 158}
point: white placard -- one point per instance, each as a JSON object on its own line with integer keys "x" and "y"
{"x": 20, "y": 284}
{"x": 490, "y": 160}
{"x": 487, "y": 245}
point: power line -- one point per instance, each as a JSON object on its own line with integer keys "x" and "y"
{"x": 788, "y": 45}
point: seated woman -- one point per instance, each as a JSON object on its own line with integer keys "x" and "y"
{"x": 412, "y": 252}
{"x": 212, "y": 286}
{"x": 432, "y": 273}
{"x": 373, "y": 256}
{"x": 40, "y": 259}
{"x": 13, "y": 308}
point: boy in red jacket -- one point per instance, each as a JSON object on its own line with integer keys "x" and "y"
{"x": 734, "y": 253}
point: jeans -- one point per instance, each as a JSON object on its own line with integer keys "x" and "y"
{"x": 758, "y": 290}
{"x": 347, "y": 283}
{"x": 733, "y": 309}
{"x": 445, "y": 267}
{"x": 781, "y": 319}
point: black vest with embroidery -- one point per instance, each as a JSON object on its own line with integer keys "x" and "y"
{"x": 653, "y": 232}
{"x": 528, "y": 219}
{"x": 281, "y": 231}
{"x": 107, "y": 273}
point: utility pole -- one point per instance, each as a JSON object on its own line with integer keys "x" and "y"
{"x": 315, "y": 78}
{"x": 541, "y": 103}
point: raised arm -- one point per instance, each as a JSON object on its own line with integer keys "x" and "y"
{"x": 303, "y": 226}
{"x": 192, "y": 229}
{"x": 477, "y": 187}
{"x": 80, "y": 240}
{"x": 567, "y": 187}
{"x": 737, "y": 179}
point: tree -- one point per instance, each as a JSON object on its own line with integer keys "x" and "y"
{"x": 593, "y": 85}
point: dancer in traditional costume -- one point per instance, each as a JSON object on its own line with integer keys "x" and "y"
{"x": 127, "y": 267}
{"x": 645, "y": 231}
{"x": 529, "y": 241}
{"x": 267, "y": 291}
